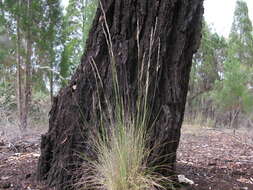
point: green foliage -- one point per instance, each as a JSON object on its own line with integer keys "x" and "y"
{"x": 77, "y": 22}
{"x": 57, "y": 39}
{"x": 7, "y": 103}
{"x": 221, "y": 77}
{"x": 235, "y": 92}
{"x": 49, "y": 42}
{"x": 7, "y": 97}
{"x": 89, "y": 13}
{"x": 64, "y": 66}
{"x": 232, "y": 92}
{"x": 44, "y": 22}
{"x": 241, "y": 37}
{"x": 6, "y": 47}
{"x": 207, "y": 61}
{"x": 39, "y": 108}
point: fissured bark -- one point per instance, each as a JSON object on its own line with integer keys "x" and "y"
{"x": 176, "y": 26}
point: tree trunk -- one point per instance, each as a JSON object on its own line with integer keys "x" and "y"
{"x": 19, "y": 82}
{"x": 51, "y": 81}
{"x": 84, "y": 17}
{"x": 176, "y": 26}
{"x": 27, "y": 90}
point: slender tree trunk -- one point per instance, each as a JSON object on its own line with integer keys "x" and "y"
{"x": 51, "y": 81}
{"x": 19, "y": 82}
{"x": 161, "y": 34}
{"x": 51, "y": 84}
{"x": 84, "y": 17}
{"x": 234, "y": 116}
{"x": 1, "y": 6}
{"x": 27, "y": 90}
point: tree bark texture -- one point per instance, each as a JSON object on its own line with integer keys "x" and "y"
{"x": 176, "y": 26}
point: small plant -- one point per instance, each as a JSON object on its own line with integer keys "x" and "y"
{"x": 122, "y": 162}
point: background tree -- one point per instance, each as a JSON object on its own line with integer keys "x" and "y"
{"x": 220, "y": 85}
{"x": 49, "y": 42}
{"x": 26, "y": 23}
{"x": 241, "y": 38}
{"x": 77, "y": 22}
{"x": 233, "y": 92}
{"x": 206, "y": 70}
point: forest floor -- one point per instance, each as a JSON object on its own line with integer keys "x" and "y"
{"x": 213, "y": 159}
{"x": 216, "y": 159}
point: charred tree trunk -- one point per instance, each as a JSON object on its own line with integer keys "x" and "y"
{"x": 176, "y": 26}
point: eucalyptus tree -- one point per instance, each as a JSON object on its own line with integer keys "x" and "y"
{"x": 207, "y": 69}
{"x": 74, "y": 32}
{"x": 156, "y": 37}
{"x": 77, "y": 22}
{"x": 12, "y": 15}
{"x": 53, "y": 36}
{"x": 48, "y": 20}
{"x": 233, "y": 93}
{"x": 6, "y": 46}
{"x": 241, "y": 38}
{"x": 34, "y": 26}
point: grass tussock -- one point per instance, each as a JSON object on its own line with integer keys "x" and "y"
{"x": 121, "y": 163}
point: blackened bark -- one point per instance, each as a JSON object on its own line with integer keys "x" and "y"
{"x": 73, "y": 117}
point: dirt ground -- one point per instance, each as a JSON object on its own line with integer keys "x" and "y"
{"x": 216, "y": 159}
{"x": 213, "y": 159}
{"x": 18, "y": 162}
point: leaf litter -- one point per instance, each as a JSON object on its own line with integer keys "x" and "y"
{"x": 212, "y": 159}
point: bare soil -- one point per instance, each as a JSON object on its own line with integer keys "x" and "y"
{"x": 18, "y": 162}
{"x": 217, "y": 159}
{"x": 213, "y": 159}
